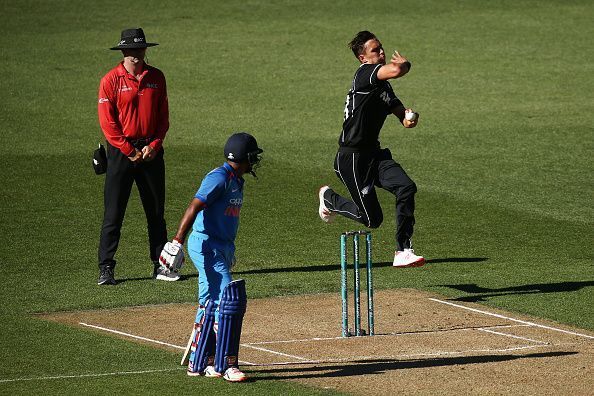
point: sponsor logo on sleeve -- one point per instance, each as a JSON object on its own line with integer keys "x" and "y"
{"x": 103, "y": 100}
{"x": 385, "y": 97}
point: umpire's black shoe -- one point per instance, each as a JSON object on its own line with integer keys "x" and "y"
{"x": 106, "y": 277}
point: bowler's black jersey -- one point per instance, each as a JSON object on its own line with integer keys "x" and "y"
{"x": 368, "y": 103}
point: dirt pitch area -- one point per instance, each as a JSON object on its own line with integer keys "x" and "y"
{"x": 424, "y": 344}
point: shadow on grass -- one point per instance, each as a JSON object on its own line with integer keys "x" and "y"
{"x": 336, "y": 267}
{"x": 483, "y": 293}
{"x": 149, "y": 278}
{"x": 317, "y": 268}
{"x": 365, "y": 367}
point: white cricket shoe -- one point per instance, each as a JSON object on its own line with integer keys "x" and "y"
{"x": 210, "y": 372}
{"x": 163, "y": 273}
{"x": 325, "y": 214}
{"x": 407, "y": 258}
{"x": 194, "y": 373}
{"x": 233, "y": 374}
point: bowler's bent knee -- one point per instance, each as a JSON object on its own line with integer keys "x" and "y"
{"x": 375, "y": 222}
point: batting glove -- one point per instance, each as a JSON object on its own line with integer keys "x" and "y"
{"x": 172, "y": 255}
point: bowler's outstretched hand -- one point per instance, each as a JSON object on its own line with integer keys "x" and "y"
{"x": 411, "y": 118}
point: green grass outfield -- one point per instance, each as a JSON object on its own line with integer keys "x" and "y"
{"x": 502, "y": 158}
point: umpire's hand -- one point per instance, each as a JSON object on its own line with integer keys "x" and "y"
{"x": 136, "y": 158}
{"x": 148, "y": 153}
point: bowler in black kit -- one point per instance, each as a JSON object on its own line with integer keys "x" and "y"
{"x": 361, "y": 164}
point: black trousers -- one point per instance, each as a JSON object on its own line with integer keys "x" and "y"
{"x": 150, "y": 180}
{"x": 361, "y": 172}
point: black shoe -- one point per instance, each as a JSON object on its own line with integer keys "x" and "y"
{"x": 106, "y": 277}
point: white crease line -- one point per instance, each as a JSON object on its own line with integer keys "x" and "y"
{"x": 505, "y": 326}
{"x": 445, "y": 353}
{"x": 512, "y": 319}
{"x": 409, "y": 333}
{"x": 514, "y": 336}
{"x": 54, "y": 377}
{"x": 302, "y": 359}
{"x": 357, "y": 359}
{"x": 274, "y": 352}
{"x": 292, "y": 341}
{"x": 145, "y": 339}
{"x": 132, "y": 336}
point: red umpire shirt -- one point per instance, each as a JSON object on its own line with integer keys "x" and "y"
{"x": 131, "y": 109}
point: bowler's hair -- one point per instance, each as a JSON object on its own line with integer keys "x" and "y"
{"x": 357, "y": 45}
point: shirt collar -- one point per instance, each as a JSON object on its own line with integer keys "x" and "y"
{"x": 231, "y": 171}
{"x": 122, "y": 72}
{"x": 121, "y": 69}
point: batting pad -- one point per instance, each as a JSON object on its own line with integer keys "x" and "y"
{"x": 231, "y": 310}
{"x": 205, "y": 347}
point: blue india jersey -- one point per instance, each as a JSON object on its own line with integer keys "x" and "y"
{"x": 222, "y": 192}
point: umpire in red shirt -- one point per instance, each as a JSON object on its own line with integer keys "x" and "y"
{"x": 134, "y": 117}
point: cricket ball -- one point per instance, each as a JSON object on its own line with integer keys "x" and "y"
{"x": 411, "y": 115}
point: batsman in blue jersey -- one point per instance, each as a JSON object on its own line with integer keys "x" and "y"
{"x": 213, "y": 217}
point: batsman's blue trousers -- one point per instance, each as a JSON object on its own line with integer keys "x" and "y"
{"x": 212, "y": 258}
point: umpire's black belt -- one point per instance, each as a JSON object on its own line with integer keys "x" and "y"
{"x": 140, "y": 143}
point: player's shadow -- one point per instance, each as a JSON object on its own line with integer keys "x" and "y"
{"x": 365, "y": 367}
{"x": 150, "y": 278}
{"x": 316, "y": 268}
{"x": 478, "y": 293}
{"x": 336, "y": 267}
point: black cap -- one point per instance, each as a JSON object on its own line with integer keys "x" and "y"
{"x": 132, "y": 38}
{"x": 242, "y": 146}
